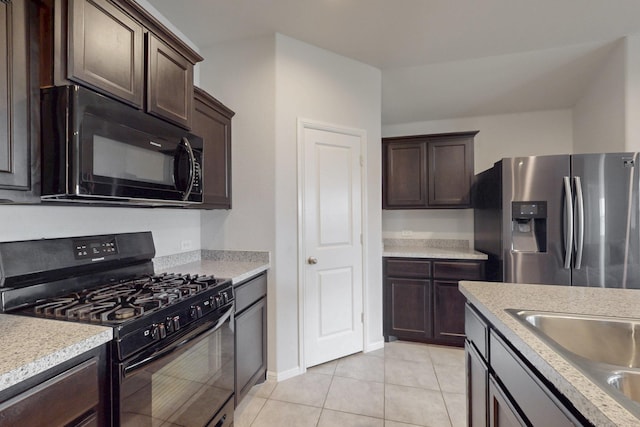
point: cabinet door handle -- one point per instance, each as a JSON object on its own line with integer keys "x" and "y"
{"x": 312, "y": 260}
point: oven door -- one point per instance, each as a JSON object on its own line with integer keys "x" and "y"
{"x": 187, "y": 383}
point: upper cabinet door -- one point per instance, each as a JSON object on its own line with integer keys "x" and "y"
{"x": 450, "y": 171}
{"x": 212, "y": 121}
{"x": 15, "y": 170}
{"x": 427, "y": 171}
{"x": 169, "y": 83}
{"x": 106, "y": 50}
{"x": 404, "y": 175}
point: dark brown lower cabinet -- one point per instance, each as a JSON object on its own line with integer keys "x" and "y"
{"x": 73, "y": 396}
{"x": 422, "y": 301}
{"x": 477, "y": 386}
{"x": 501, "y": 412}
{"x": 408, "y": 315}
{"x": 251, "y": 334}
{"x": 502, "y": 389}
{"x": 448, "y": 309}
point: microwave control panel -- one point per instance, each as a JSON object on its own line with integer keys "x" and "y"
{"x": 95, "y": 247}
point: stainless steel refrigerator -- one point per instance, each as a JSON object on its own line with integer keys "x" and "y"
{"x": 566, "y": 220}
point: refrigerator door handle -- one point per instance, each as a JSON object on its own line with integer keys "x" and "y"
{"x": 580, "y": 223}
{"x": 568, "y": 223}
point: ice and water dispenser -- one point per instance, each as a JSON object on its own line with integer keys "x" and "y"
{"x": 529, "y": 226}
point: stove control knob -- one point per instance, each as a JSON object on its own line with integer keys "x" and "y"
{"x": 195, "y": 312}
{"x": 155, "y": 332}
{"x": 162, "y": 331}
{"x": 219, "y": 301}
{"x": 225, "y": 297}
{"x": 176, "y": 323}
{"x": 170, "y": 325}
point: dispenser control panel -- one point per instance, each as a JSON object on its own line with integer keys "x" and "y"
{"x": 528, "y": 210}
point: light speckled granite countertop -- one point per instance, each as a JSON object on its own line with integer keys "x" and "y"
{"x": 31, "y": 345}
{"x": 430, "y": 248}
{"x": 593, "y": 402}
{"x": 428, "y": 252}
{"x": 235, "y": 265}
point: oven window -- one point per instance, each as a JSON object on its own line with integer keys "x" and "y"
{"x": 115, "y": 159}
{"x": 185, "y": 388}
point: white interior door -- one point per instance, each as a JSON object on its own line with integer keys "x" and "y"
{"x": 332, "y": 247}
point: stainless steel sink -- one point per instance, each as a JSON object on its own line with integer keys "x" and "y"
{"x": 606, "y": 349}
{"x": 608, "y": 340}
{"x": 627, "y": 382}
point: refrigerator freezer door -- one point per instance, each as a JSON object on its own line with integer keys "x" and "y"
{"x": 538, "y": 179}
{"x": 610, "y": 249}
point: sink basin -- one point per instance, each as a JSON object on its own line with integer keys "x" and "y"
{"x": 627, "y": 382}
{"x": 606, "y": 349}
{"x": 613, "y": 341}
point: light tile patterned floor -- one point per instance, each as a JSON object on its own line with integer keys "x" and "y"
{"x": 403, "y": 385}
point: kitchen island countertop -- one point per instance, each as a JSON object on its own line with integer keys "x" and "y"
{"x": 492, "y": 299}
{"x": 33, "y": 345}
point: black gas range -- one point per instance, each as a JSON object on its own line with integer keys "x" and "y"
{"x": 164, "y": 325}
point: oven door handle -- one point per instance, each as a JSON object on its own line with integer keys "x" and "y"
{"x": 135, "y": 365}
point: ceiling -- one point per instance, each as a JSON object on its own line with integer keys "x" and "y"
{"x": 439, "y": 58}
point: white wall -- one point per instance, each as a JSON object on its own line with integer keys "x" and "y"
{"x": 241, "y": 74}
{"x": 505, "y": 135}
{"x": 169, "y": 226}
{"x": 599, "y": 114}
{"x": 315, "y": 84}
{"x": 271, "y": 82}
{"x": 454, "y": 224}
{"x": 632, "y": 74}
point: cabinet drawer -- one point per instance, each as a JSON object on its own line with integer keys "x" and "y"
{"x": 458, "y": 270}
{"x": 476, "y": 331}
{"x": 56, "y": 402}
{"x": 251, "y": 291}
{"x": 407, "y": 268}
{"x": 534, "y": 399}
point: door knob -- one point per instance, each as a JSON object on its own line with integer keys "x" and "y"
{"x": 312, "y": 260}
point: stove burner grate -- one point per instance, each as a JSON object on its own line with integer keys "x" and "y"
{"x": 116, "y": 303}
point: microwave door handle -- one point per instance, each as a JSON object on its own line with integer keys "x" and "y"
{"x": 192, "y": 168}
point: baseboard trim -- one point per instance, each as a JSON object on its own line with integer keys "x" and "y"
{"x": 281, "y": 376}
{"x": 374, "y": 346}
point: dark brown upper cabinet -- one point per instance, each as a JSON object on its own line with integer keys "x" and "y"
{"x": 106, "y": 50}
{"x": 450, "y": 170}
{"x": 405, "y": 174}
{"x": 212, "y": 121}
{"x": 19, "y": 158}
{"x": 108, "y": 44}
{"x": 169, "y": 82}
{"x": 427, "y": 171}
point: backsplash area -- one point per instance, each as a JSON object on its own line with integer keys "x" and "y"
{"x": 427, "y": 243}
{"x": 428, "y": 224}
{"x": 170, "y": 261}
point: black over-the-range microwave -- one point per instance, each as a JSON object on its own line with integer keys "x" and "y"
{"x": 97, "y": 149}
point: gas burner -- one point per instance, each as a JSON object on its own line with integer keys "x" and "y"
{"x": 124, "y": 313}
{"x": 119, "y": 302}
